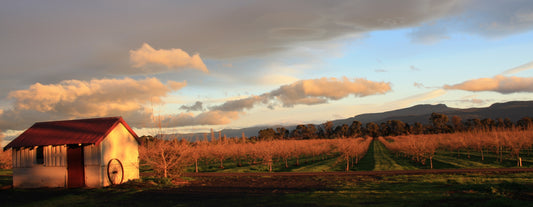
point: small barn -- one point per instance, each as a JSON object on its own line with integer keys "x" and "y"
{"x": 75, "y": 153}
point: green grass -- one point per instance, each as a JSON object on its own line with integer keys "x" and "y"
{"x": 384, "y": 161}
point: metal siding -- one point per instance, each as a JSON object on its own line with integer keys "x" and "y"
{"x": 81, "y": 131}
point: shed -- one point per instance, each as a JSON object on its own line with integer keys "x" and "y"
{"x": 94, "y": 152}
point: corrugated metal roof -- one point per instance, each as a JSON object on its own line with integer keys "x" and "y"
{"x": 80, "y": 131}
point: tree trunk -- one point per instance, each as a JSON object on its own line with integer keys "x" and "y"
{"x": 347, "y": 164}
{"x": 196, "y": 165}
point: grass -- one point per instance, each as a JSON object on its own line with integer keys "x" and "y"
{"x": 378, "y": 158}
{"x": 396, "y": 190}
{"x": 384, "y": 161}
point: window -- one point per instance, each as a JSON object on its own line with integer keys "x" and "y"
{"x": 39, "y": 155}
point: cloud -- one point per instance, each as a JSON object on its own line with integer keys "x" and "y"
{"x": 198, "y": 106}
{"x": 413, "y": 68}
{"x": 418, "y": 98}
{"x": 83, "y": 36}
{"x": 418, "y": 85}
{"x": 241, "y": 104}
{"x": 316, "y": 91}
{"x": 429, "y": 34}
{"x": 173, "y": 59}
{"x": 309, "y": 92}
{"x": 214, "y": 117}
{"x": 76, "y": 99}
{"x": 97, "y": 97}
{"x": 276, "y": 79}
{"x": 126, "y": 97}
{"x": 501, "y": 84}
{"x": 527, "y": 66}
{"x": 472, "y": 99}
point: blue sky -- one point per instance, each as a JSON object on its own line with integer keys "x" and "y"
{"x": 237, "y": 64}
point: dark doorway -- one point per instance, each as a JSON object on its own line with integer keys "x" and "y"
{"x": 75, "y": 166}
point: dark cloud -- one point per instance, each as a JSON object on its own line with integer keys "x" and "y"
{"x": 92, "y": 39}
{"x": 198, "y": 106}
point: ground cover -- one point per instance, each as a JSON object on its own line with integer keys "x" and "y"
{"x": 380, "y": 178}
{"x": 483, "y": 188}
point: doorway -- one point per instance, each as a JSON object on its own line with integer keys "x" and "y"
{"x": 75, "y": 166}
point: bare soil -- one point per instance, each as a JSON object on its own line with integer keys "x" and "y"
{"x": 287, "y": 182}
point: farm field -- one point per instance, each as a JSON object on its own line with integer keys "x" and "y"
{"x": 380, "y": 178}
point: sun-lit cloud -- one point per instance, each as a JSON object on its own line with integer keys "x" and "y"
{"x": 276, "y": 79}
{"x": 501, "y": 84}
{"x": 76, "y": 98}
{"x": 309, "y": 92}
{"x": 527, "y": 66}
{"x": 315, "y": 91}
{"x": 147, "y": 56}
{"x": 97, "y": 97}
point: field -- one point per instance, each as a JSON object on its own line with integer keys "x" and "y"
{"x": 380, "y": 178}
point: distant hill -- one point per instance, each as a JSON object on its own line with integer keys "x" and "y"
{"x": 513, "y": 110}
{"x": 409, "y": 115}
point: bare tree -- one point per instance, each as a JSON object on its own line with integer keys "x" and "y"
{"x": 168, "y": 159}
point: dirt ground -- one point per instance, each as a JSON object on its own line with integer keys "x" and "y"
{"x": 287, "y": 182}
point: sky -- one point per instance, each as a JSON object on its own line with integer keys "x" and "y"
{"x": 192, "y": 66}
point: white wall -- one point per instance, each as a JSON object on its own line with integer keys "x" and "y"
{"x": 28, "y": 174}
{"x": 93, "y": 156}
{"x": 121, "y": 145}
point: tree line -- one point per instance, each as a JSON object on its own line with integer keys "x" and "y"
{"x": 438, "y": 123}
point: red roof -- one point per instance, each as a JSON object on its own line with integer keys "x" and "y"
{"x": 80, "y": 131}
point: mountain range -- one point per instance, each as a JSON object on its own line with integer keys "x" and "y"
{"x": 513, "y": 110}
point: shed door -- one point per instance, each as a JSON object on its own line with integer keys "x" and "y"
{"x": 75, "y": 167}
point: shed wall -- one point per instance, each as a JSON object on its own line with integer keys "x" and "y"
{"x": 28, "y": 174}
{"x": 120, "y": 144}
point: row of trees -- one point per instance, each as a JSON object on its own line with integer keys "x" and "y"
{"x": 498, "y": 141}
{"x": 438, "y": 123}
{"x": 169, "y": 158}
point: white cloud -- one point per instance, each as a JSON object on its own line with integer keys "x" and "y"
{"x": 527, "y": 66}
{"x": 147, "y": 56}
